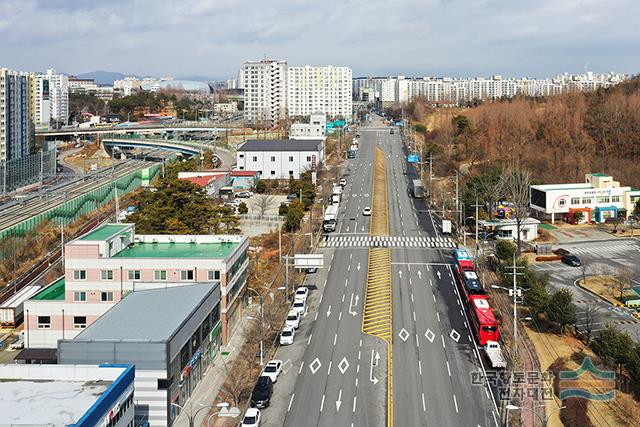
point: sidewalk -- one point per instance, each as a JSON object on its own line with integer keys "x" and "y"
{"x": 208, "y": 388}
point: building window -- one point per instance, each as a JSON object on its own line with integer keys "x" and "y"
{"x": 186, "y": 275}
{"x": 587, "y": 200}
{"x": 308, "y": 158}
{"x": 273, "y": 158}
{"x": 106, "y": 296}
{"x": 106, "y": 274}
{"x": 214, "y": 274}
{"x": 79, "y": 274}
{"x": 562, "y": 202}
{"x": 79, "y": 296}
{"x": 255, "y": 158}
{"x": 290, "y": 174}
{"x": 160, "y": 275}
{"x": 273, "y": 173}
{"x": 134, "y": 274}
{"x": 79, "y": 322}
{"x": 615, "y": 199}
{"x": 291, "y": 158}
{"x": 602, "y": 199}
{"x": 575, "y": 200}
{"x": 241, "y": 156}
{"x": 44, "y": 322}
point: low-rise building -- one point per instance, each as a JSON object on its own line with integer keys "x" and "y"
{"x": 506, "y": 229}
{"x": 243, "y": 179}
{"x": 67, "y": 395}
{"x": 226, "y": 107}
{"x": 595, "y": 200}
{"x": 171, "y": 335}
{"x": 280, "y": 158}
{"x": 212, "y": 181}
{"x": 106, "y": 263}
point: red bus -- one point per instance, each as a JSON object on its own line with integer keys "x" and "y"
{"x": 482, "y": 320}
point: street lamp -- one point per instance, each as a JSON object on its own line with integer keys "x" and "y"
{"x": 224, "y": 411}
{"x": 191, "y": 417}
{"x": 544, "y": 421}
{"x": 261, "y": 320}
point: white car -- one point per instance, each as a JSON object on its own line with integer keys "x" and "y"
{"x": 343, "y": 182}
{"x": 287, "y": 335}
{"x": 293, "y": 319}
{"x": 366, "y": 211}
{"x": 301, "y": 293}
{"x": 299, "y": 306}
{"x": 272, "y": 369}
{"x": 251, "y": 418}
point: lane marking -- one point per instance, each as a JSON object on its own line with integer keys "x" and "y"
{"x": 300, "y": 370}
{"x": 455, "y": 402}
{"x": 309, "y": 340}
{"x": 424, "y": 407}
{"x": 448, "y": 369}
{"x": 420, "y": 366}
{"x": 322, "y": 404}
{"x": 290, "y": 402}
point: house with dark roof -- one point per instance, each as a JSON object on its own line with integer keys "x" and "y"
{"x": 280, "y": 158}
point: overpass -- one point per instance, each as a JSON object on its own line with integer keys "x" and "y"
{"x": 155, "y": 128}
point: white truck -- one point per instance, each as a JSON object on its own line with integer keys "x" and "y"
{"x": 330, "y": 218}
{"x": 446, "y": 226}
{"x": 336, "y": 194}
{"x": 12, "y": 310}
{"x": 494, "y": 354}
{"x": 19, "y": 343}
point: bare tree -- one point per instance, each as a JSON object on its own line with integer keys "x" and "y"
{"x": 591, "y": 317}
{"x": 517, "y": 184}
{"x": 624, "y": 277}
{"x": 262, "y": 203}
{"x": 237, "y": 379}
{"x": 584, "y": 268}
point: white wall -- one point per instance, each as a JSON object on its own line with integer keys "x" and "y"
{"x": 279, "y": 162}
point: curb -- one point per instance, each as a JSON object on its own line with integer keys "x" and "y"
{"x": 576, "y": 283}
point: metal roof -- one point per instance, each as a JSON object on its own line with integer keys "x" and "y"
{"x": 149, "y": 315}
{"x": 104, "y": 232}
{"x": 281, "y": 145}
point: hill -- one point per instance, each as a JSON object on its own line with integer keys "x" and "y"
{"x": 102, "y": 77}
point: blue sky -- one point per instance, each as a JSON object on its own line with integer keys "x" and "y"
{"x": 213, "y": 38}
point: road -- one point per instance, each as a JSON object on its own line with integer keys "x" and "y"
{"x": 335, "y": 374}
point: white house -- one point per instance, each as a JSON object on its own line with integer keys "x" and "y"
{"x": 315, "y": 129}
{"x": 598, "y": 198}
{"x": 506, "y": 229}
{"x": 280, "y": 158}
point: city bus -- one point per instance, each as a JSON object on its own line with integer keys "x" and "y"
{"x": 483, "y": 322}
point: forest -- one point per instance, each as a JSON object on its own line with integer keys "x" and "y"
{"x": 558, "y": 139}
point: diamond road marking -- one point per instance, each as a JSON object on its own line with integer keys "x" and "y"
{"x": 430, "y": 335}
{"x": 315, "y": 365}
{"x": 454, "y": 335}
{"x": 403, "y": 335}
{"x": 344, "y": 365}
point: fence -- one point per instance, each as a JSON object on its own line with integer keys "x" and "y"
{"x": 27, "y": 170}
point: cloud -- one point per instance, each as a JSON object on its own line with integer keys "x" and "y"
{"x": 421, "y": 37}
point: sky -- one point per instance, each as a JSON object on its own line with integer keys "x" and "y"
{"x": 212, "y": 38}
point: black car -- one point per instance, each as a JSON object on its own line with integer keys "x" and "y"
{"x": 571, "y": 260}
{"x": 261, "y": 395}
{"x": 311, "y": 270}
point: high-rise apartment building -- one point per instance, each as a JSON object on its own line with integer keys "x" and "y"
{"x": 265, "y": 91}
{"x": 15, "y": 114}
{"x": 325, "y": 89}
{"x": 50, "y": 98}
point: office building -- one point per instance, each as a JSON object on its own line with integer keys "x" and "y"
{"x": 265, "y": 92}
{"x": 319, "y": 89}
{"x": 15, "y": 114}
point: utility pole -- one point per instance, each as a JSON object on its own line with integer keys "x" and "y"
{"x": 430, "y": 177}
{"x": 476, "y": 206}
{"x": 515, "y": 292}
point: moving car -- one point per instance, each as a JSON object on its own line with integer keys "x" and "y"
{"x": 251, "y": 418}
{"x": 571, "y": 260}
{"x": 302, "y": 293}
{"x": 299, "y": 306}
{"x": 261, "y": 395}
{"x": 343, "y": 182}
{"x": 272, "y": 369}
{"x": 287, "y": 335}
{"x": 244, "y": 194}
{"x": 366, "y": 211}
{"x": 311, "y": 270}
{"x": 293, "y": 319}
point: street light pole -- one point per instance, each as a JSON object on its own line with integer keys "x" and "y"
{"x": 261, "y": 299}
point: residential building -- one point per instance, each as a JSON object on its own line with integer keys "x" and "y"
{"x": 265, "y": 92}
{"x": 211, "y": 181}
{"x": 225, "y": 107}
{"x": 128, "y": 85}
{"x": 507, "y": 229}
{"x": 40, "y": 101}
{"x": 106, "y": 263}
{"x": 280, "y": 158}
{"x": 15, "y": 114}
{"x": 67, "y": 395}
{"x": 597, "y": 199}
{"x": 240, "y": 79}
{"x": 78, "y": 85}
{"x": 171, "y": 335}
{"x": 50, "y": 93}
{"x": 319, "y": 89}
{"x": 315, "y": 129}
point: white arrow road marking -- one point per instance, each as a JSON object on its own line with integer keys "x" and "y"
{"x": 358, "y": 266}
{"x": 420, "y": 274}
{"x": 439, "y": 275}
{"x": 329, "y": 311}
{"x": 353, "y": 312}
{"x": 400, "y": 273}
{"x": 339, "y": 401}
{"x": 373, "y": 379}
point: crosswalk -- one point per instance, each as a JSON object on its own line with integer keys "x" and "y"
{"x": 366, "y": 241}
{"x": 605, "y": 248}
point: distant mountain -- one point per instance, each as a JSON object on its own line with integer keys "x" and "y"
{"x": 197, "y": 78}
{"x": 102, "y": 77}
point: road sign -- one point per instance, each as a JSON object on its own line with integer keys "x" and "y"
{"x": 413, "y": 158}
{"x": 308, "y": 260}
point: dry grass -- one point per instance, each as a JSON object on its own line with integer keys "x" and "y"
{"x": 606, "y": 287}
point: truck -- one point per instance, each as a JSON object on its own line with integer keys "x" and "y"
{"x": 11, "y": 311}
{"x": 494, "y": 354}
{"x": 417, "y": 190}
{"x": 446, "y": 226}
{"x": 336, "y": 194}
{"x": 330, "y": 218}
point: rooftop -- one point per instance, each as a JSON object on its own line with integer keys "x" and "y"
{"x": 179, "y": 250}
{"x": 243, "y": 173}
{"x": 104, "y": 232}
{"x": 53, "y": 292}
{"x": 202, "y": 181}
{"x": 281, "y": 145}
{"x": 156, "y": 313}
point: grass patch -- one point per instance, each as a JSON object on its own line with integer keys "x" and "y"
{"x": 607, "y": 287}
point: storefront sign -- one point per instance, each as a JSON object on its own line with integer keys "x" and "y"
{"x": 195, "y": 358}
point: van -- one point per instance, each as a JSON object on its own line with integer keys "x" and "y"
{"x": 19, "y": 343}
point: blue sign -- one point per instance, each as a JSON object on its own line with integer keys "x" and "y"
{"x": 413, "y": 158}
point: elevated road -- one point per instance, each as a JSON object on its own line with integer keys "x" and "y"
{"x": 156, "y": 128}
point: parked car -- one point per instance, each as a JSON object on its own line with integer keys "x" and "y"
{"x": 301, "y": 293}
{"x": 272, "y": 369}
{"x": 366, "y": 211}
{"x": 261, "y": 395}
{"x": 287, "y": 335}
{"x": 235, "y": 203}
{"x": 561, "y": 252}
{"x": 571, "y": 260}
{"x": 299, "y": 306}
{"x": 311, "y": 270}
{"x": 293, "y": 196}
{"x": 343, "y": 182}
{"x": 244, "y": 194}
{"x": 251, "y": 418}
{"x": 293, "y": 319}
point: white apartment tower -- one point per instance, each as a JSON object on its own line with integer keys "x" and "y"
{"x": 50, "y": 93}
{"x": 324, "y": 89}
{"x": 15, "y": 114}
{"x": 265, "y": 91}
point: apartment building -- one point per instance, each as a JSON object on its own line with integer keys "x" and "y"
{"x": 15, "y": 114}
{"x": 324, "y": 89}
{"x": 265, "y": 91}
{"x": 50, "y": 94}
{"x": 102, "y": 266}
